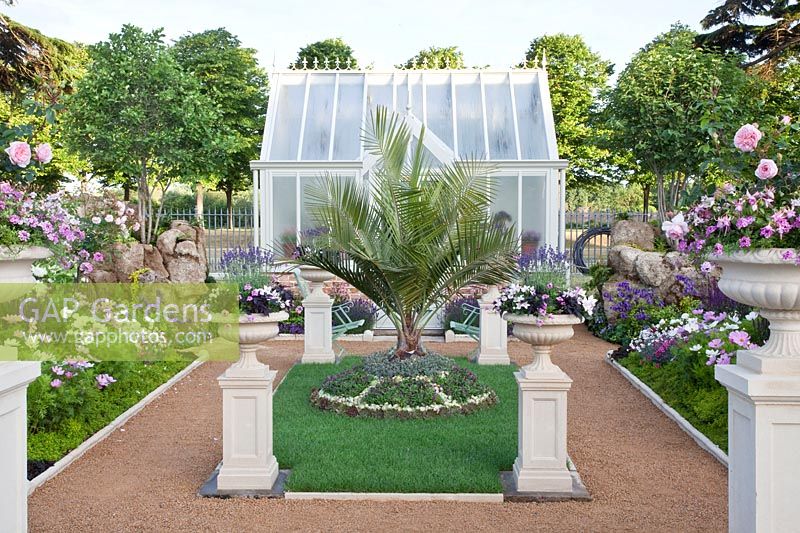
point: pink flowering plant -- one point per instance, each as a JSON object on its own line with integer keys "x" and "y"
{"x": 544, "y": 302}
{"x": 24, "y": 156}
{"x": 758, "y": 208}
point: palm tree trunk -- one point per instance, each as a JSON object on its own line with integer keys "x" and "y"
{"x": 409, "y": 340}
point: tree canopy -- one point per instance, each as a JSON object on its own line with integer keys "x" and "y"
{"x": 665, "y": 102}
{"x": 137, "y": 113}
{"x": 321, "y": 53}
{"x": 763, "y": 30}
{"x": 576, "y": 75}
{"x": 435, "y": 57}
{"x": 230, "y": 77}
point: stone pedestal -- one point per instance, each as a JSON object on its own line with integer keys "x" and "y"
{"x": 493, "y": 348}
{"x": 247, "y": 459}
{"x": 541, "y": 464}
{"x": 764, "y": 441}
{"x": 318, "y": 321}
{"x": 14, "y": 380}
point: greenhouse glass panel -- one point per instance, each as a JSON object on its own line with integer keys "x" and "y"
{"x": 505, "y": 203}
{"x": 286, "y": 131}
{"x": 499, "y": 117}
{"x": 439, "y": 107}
{"x": 347, "y": 136}
{"x": 533, "y": 222}
{"x": 401, "y": 89}
{"x": 379, "y": 92}
{"x": 415, "y": 89}
{"x": 469, "y": 116}
{"x": 307, "y": 184}
{"x": 317, "y": 133}
{"x": 532, "y": 132}
{"x": 284, "y": 206}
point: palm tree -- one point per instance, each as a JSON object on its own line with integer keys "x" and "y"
{"x": 412, "y": 237}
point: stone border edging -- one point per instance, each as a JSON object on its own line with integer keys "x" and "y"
{"x": 701, "y": 440}
{"x": 101, "y": 434}
{"x": 399, "y": 496}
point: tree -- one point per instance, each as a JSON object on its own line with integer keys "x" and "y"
{"x": 230, "y": 77}
{"x": 665, "y": 103}
{"x": 136, "y": 112}
{"x": 324, "y": 54}
{"x": 742, "y": 27}
{"x": 414, "y": 236}
{"x": 435, "y": 57}
{"x": 576, "y": 75}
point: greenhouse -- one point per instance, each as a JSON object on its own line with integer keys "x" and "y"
{"x": 315, "y": 119}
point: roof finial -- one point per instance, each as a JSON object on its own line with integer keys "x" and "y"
{"x": 347, "y": 63}
{"x": 544, "y": 59}
{"x": 327, "y": 63}
{"x": 316, "y": 63}
{"x": 413, "y": 62}
{"x": 447, "y": 62}
{"x": 305, "y": 63}
{"x": 425, "y": 63}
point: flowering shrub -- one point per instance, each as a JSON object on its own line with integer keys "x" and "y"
{"x": 759, "y": 211}
{"x": 545, "y": 265}
{"x": 545, "y": 302}
{"x": 264, "y": 300}
{"x": 28, "y": 219}
{"x": 243, "y": 265}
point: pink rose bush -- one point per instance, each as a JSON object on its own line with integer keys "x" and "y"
{"x": 19, "y": 153}
{"x": 43, "y": 153}
{"x": 762, "y": 210}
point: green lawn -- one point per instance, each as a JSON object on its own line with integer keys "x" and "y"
{"x": 329, "y": 452}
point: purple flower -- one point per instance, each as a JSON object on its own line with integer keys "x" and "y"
{"x": 739, "y": 338}
{"x": 86, "y": 267}
{"x": 23, "y": 236}
{"x": 767, "y": 231}
{"x": 706, "y": 267}
{"x": 98, "y": 257}
{"x": 56, "y": 383}
{"x": 744, "y": 242}
{"x": 715, "y": 343}
{"x": 104, "y": 380}
{"x": 718, "y": 249}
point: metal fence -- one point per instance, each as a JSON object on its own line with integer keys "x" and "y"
{"x": 596, "y": 248}
{"x": 224, "y": 230}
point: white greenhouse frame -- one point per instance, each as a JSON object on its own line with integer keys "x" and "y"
{"x": 407, "y": 88}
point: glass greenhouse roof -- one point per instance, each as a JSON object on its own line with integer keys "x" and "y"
{"x": 494, "y": 115}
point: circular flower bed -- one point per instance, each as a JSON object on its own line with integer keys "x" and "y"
{"x": 416, "y": 387}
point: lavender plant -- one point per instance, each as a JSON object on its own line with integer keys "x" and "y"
{"x": 545, "y": 265}
{"x": 247, "y": 265}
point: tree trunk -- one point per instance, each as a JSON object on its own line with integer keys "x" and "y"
{"x": 198, "y": 203}
{"x": 144, "y": 205}
{"x": 126, "y": 192}
{"x": 646, "y": 203}
{"x": 229, "y": 204}
{"x": 409, "y": 340}
{"x": 662, "y": 198}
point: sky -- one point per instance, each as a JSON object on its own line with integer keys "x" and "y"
{"x": 382, "y": 32}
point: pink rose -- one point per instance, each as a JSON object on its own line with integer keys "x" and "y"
{"x": 746, "y": 139}
{"x": 44, "y": 153}
{"x": 766, "y": 169}
{"x": 786, "y": 120}
{"x": 19, "y": 152}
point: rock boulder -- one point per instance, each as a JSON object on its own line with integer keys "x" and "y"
{"x": 633, "y": 233}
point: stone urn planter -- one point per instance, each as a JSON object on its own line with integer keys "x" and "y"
{"x": 318, "y": 337}
{"x": 15, "y": 267}
{"x": 253, "y": 330}
{"x": 764, "y": 394}
{"x": 542, "y": 338}
{"x": 763, "y": 279}
{"x": 541, "y": 464}
{"x": 248, "y": 462}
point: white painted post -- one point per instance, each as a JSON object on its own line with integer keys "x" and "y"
{"x": 14, "y": 380}
{"x": 763, "y": 437}
{"x": 318, "y": 321}
{"x": 494, "y": 332}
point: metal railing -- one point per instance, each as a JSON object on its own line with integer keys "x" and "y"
{"x": 595, "y": 249}
{"x": 224, "y": 230}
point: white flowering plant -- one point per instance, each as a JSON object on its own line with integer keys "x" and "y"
{"x": 545, "y": 301}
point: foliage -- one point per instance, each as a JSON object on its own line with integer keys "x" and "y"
{"x": 384, "y": 386}
{"x": 342, "y": 453}
{"x": 138, "y": 114}
{"x": 759, "y": 208}
{"x": 412, "y": 237}
{"x": 662, "y": 103}
{"x": 231, "y": 79}
{"x": 625, "y": 197}
{"x": 545, "y": 266}
{"x": 61, "y": 418}
{"x": 577, "y": 74}
{"x": 33, "y": 62}
{"x": 545, "y": 301}
{"x": 435, "y": 57}
{"x": 315, "y": 55}
{"x": 362, "y": 309}
{"x": 632, "y": 309}
{"x": 763, "y": 30}
{"x": 264, "y": 300}
{"x": 251, "y": 265}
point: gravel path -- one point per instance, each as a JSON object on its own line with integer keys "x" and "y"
{"x": 643, "y": 472}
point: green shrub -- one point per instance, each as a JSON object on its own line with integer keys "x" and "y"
{"x": 384, "y": 364}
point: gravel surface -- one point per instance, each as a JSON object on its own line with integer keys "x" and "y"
{"x": 643, "y": 472}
